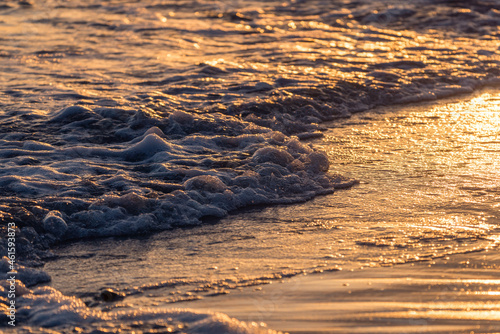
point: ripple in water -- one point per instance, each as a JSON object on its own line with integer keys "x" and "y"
{"x": 126, "y": 118}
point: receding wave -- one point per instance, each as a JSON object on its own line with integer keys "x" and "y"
{"x": 128, "y": 118}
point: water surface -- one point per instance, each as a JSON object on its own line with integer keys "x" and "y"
{"x": 158, "y": 118}
{"x": 428, "y": 190}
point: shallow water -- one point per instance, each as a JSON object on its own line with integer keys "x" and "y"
{"x": 124, "y": 118}
{"x": 456, "y": 295}
{"x": 129, "y": 118}
{"x": 422, "y": 196}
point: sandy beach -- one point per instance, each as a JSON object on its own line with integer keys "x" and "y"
{"x": 456, "y": 295}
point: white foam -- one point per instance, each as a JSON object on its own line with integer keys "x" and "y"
{"x": 48, "y": 308}
{"x": 54, "y": 223}
{"x": 28, "y": 276}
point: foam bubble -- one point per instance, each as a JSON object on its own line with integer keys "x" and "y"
{"x": 146, "y": 148}
{"x": 273, "y": 155}
{"x": 54, "y": 223}
{"x": 72, "y": 114}
{"x": 205, "y": 183}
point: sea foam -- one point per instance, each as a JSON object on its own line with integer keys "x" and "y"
{"x": 45, "y": 307}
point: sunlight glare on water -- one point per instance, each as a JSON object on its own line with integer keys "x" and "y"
{"x": 428, "y": 168}
{"x": 447, "y": 155}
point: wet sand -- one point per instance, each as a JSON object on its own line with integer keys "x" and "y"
{"x": 460, "y": 294}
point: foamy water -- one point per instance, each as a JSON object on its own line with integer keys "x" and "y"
{"x": 416, "y": 202}
{"x": 128, "y": 118}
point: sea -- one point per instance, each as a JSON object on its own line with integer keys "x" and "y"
{"x": 155, "y": 152}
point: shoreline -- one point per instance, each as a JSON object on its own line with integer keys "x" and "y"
{"x": 459, "y": 294}
{"x": 409, "y": 297}
{"x": 158, "y": 155}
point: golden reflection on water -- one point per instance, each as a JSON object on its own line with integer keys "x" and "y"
{"x": 435, "y": 171}
{"x": 462, "y": 311}
{"x": 455, "y": 147}
{"x": 429, "y": 179}
{"x": 276, "y": 44}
